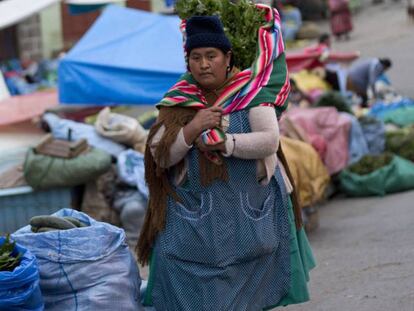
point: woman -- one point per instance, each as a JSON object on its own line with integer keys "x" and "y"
{"x": 341, "y": 19}
{"x": 219, "y": 232}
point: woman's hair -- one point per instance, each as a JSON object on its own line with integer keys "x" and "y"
{"x": 324, "y": 37}
{"x": 385, "y": 62}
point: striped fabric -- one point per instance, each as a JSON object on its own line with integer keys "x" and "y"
{"x": 266, "y": 81}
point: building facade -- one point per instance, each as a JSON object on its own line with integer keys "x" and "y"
{"x": 52, "y": 30}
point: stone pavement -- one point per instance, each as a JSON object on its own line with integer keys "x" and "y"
{"x": 364, "y": 247}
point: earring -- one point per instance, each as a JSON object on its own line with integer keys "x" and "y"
{"x": 228, "y": 68}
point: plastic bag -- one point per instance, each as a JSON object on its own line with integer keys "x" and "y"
{"x": 19, "y": 289}
{"x": 394, "y": 177}
{"x": 89, "y": 268}
{"x": 358, "y": 146}
{"x": 121, "y": 128}
{"x": 43, "y": 172}
{"x": 374, "y": 133}
{"x": 61, "y": 128}
{"x": 131, "y": 170}
{"x": 132, "y": 207}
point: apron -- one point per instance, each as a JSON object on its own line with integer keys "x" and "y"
{"x": 225, "y": 247}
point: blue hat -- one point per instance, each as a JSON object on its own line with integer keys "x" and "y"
{"x": 206, "y": 31}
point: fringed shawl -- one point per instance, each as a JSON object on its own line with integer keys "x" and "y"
{"x": 267, "y": 81}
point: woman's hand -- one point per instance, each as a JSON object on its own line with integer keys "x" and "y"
{"x": 203, "y": 120}
{"x": 203, "y": 147}
{"x": 207, "y": 118}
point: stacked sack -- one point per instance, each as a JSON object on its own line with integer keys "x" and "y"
{"x": 86, "y": 267}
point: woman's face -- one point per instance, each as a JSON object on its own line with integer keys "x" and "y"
{"x": 209, "y": 66}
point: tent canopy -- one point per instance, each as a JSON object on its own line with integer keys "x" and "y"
{"x": 15, "y": 11}
{"x": 127, "y": 57}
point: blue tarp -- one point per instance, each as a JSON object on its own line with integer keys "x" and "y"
{"x": 127, "y": 57}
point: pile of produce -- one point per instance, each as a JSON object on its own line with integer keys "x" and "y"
{"x": 371, "y": 163}
{"x": 368, "y": 120}
{"x": 334, "y": 99}
{"x": 241, "y": 21}
{"x": 41, "y": 224}
{"x": 401, "y": 142}
{"x": 9, "y": 258}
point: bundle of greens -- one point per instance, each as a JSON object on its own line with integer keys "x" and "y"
{"x": 9, "y": 258}
{"x": 401, "y": 142}
{"x": 241, "y": 21}
{"x": 368, "y": 120}
{"x": 41, "y": 224}
{"x": 334, "y": 99}
{"x": 371, "y": 163}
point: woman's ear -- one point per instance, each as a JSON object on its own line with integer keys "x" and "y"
{"x": 228, "y": 58}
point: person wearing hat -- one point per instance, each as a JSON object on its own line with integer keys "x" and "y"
{"x": 220, "y": 231}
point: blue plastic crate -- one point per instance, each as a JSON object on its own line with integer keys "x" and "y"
{"x": 18, "y": 205}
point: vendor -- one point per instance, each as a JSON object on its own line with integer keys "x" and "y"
{"x": 362, "y": 75}
{"x": 218, "y": 232}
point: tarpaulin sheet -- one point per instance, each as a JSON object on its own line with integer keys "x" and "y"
{"x": 310, "y": 175}
{"x": 20, "y": 108}
{"x": 127, "y": 57}
{"x": 14, "y": 11}
{"x": 327, "y": 123}
{"x": 85, "y": 6}
{"x": 298, "y": 61}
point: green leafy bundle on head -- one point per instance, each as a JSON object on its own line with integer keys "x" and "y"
{"x": 241, "y": 21}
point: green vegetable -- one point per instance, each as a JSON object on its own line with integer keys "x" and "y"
{"x": 8, "y": 260}
{"x": 371, "y": 163}
{"x": 334, "y": 99}
{"x": 367, "y": 120}
{"x": 46, "y": 229}
{"x": 75, "y": 221}
{"x": 51, "y": 222}
{"x": 40, "y": 224}
{"x": 401, "y": 142}
{"x": 241, "y": 21}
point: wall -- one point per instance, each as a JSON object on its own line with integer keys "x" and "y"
{"x": 51, "y": 30}
{"x": 158, "y": 5}
{"x": 74, "y": 26}
{"x": 140, "y": 4}
{"x": 8, "y": 43}
{"x": 29, "y": 38}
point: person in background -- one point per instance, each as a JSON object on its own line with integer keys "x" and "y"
{"x": 297, "y": 97}
{"x": 324, "y": 43}
{"x": 218, "y": 233}
{"x": 323, "y": 47}
{"x": 340, "y": 18}
{"x": 331, "y": 61}
{"x": 362, "y": 75}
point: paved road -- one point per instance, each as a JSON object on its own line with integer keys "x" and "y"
{"x": 385, "y": 31}
{"x": 365, "y": 254}
{"x": 365, "y": 247}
